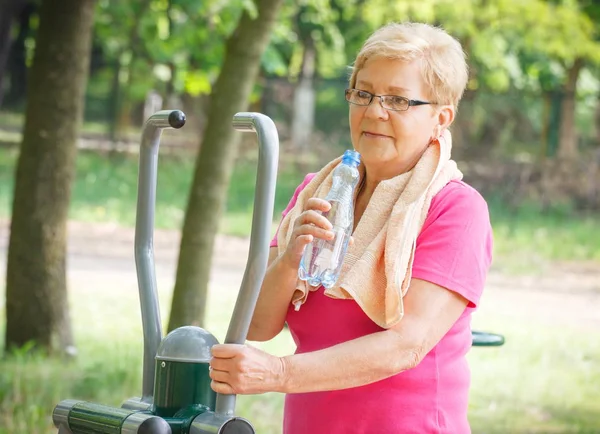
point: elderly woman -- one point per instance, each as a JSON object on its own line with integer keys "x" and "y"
{"x": 383, "y": 351}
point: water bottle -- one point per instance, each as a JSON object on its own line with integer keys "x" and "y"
{"x": 322, "y": 260}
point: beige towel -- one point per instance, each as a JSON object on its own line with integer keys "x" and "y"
{"x": 377, "y": 268}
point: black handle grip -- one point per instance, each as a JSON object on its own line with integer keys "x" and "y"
{"x": 177, "y": 119}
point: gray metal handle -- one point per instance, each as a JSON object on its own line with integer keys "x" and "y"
{"x": 144, "y": 237}
{"x": 262, "y": 216}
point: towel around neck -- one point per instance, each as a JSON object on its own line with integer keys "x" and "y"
{"x": 376, "y": 272}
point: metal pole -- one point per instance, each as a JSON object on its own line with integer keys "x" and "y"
{"x": 144, "y": 237}
{"x": 266, "y": 179}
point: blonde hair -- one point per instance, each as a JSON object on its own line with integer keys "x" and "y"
{"x": 443, "y": 63}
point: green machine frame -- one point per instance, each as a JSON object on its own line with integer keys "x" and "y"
{"x": 176, "y": 393}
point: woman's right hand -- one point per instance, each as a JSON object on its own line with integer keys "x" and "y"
{"x": 309, "y": 225}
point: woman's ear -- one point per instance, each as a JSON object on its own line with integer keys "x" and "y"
{"x": 445, "y": 118}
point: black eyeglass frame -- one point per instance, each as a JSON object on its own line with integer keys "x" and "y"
{"x": 411, "y": 102}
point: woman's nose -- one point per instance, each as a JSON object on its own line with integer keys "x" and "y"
{"x": 375, "y": 110}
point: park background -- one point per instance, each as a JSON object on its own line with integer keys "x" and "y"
{"x": 77, "y": 80}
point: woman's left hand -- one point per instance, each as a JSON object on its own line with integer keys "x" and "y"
{"x": 245, "y": 370}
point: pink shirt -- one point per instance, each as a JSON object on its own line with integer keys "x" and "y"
{"x": 454, "y": 251}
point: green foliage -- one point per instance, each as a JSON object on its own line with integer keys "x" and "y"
{"x": 496, "y": 33}
{"x": 177, "y": 46}
{"x": 310, "y": 22}
{"x": 179, "y": 42}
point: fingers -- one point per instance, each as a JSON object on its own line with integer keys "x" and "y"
{"x": 313, "y": 224}
{"x": 311, "y": 216}
{"x": 317, "y": 204}
{"x": 220, "y": 365}
{"x": 223, "y": 388}
{"x": 250, "y": 371}
{"x": 295, "y": 249}
{"x": 304, "y": 239}
{"x": 220, "y": 376}
{"x": 240, "y": 374}
{"x": 226, "y": 351}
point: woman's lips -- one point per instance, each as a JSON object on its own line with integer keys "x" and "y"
{"x": 375, "y": 135}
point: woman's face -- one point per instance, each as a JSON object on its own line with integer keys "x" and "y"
{"x": 391, "y": 142}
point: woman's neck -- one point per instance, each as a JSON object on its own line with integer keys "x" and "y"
{"x": 366, "y": 188}
{"x": 369, "y": 183}
{"x": 369, "y": 187}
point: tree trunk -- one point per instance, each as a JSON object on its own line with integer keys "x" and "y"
{"x": 567, "y": 146}
{"x": 304, "y": 99}
{"x": 597, "y": 121}
{"x": 545, "y": 133}
{"x": 36, "y": 292}
{"x": 232, "y": 90}
{"x": 123, "y": 67}
{"x": 115, "y": 101}
{"x": 196, "y": 109}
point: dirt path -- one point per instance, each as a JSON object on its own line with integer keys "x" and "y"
{"x": 565, "y": 293}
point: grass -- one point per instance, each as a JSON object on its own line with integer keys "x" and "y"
{"x": 527, "y": 237}
{"x": 544, "y": 380}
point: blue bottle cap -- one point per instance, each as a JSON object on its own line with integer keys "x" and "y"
{"x": 351, "y": 157}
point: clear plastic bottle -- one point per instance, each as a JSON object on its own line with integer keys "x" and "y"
{"x": 322, "y": 260}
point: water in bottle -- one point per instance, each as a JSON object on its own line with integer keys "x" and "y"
{"x": 322, "y": 260}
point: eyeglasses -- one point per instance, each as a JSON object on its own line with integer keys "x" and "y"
{"x": 388, "y": 102}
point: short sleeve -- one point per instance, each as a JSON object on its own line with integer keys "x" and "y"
{"x": 291, "y": 204}
{"x": 454, "y": 248}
